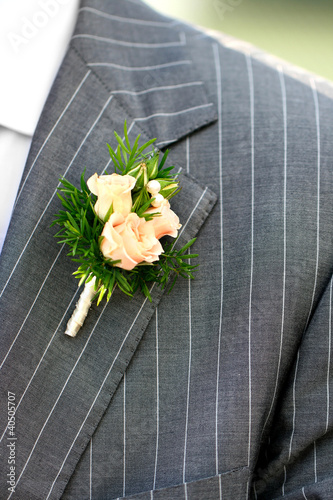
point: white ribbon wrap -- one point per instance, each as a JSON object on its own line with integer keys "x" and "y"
{"x": 81, "y": 309}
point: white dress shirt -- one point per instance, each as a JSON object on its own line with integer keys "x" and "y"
{"x": 34, "y": 38}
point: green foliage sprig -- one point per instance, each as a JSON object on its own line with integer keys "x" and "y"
{"x": 81, "y": 228}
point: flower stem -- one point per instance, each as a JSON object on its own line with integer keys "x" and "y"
{"x": 81, "y": 309}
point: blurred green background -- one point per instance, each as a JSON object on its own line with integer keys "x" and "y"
{"x": 299, "y": 31}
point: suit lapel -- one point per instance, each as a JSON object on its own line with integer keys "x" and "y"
{"x": 63, "y": 387}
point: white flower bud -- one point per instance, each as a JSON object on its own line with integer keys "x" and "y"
{"x": 153, "y": 187}
{"x": 158, "y": 200}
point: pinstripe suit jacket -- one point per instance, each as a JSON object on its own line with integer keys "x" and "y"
{"x": 223, "y": 388}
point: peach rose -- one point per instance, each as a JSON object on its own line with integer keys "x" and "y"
{"x": 112, "y": 189}
{"x": 165, "y": 224}
{"x": 131, "y": 239}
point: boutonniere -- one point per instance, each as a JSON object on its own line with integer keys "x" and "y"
{"x": 113, "y": 225}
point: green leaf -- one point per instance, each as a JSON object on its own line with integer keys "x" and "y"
{"x": 111, "y": 286}
{"x": 165, "y": 173}
{"x": 83, "y": 184}
{"x": 145, "y": 146}
{"x": 108, "y": 213}
{"x": 172, "y": 284}
{"x": 121, "y": 143}
{"x": 114, "y": 159}
{"x": 189, "y": 256}
{"x": 144, "y": 207}
{"x": 133, "y": 153}
{"x": 146, "y": 291}
{"x": 185, "y": 247}
{"x": 84, "y": 276}
{"x": 164, "y": 160}
{"x": 176, "y": 191}
{"x": 119, "y": 158}
{"x": 71, "y": 218}
{"x": 64, "y": 202}
{"x": 102, "y": 292}
{"x": 126, "y": 136}
{"x": 67, "y": 184}
{"x": 123, "y": 281}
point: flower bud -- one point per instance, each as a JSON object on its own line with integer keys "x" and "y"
{"x": 141, "y": 176}
{"x": 157, "y": 202}
{"x": 167, "y": 187}
{"x": 153, "y": 187}
{"x": 152, "y": 167}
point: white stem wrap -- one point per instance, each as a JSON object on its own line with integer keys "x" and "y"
{"x": 81, "y": 309}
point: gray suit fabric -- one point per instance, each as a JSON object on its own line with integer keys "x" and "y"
{"x": 222, "y": 389}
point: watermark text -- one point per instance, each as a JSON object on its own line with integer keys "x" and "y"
{"x": 11, "y": 442}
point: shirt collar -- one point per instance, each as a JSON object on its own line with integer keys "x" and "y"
{"x": 34, "y": 39}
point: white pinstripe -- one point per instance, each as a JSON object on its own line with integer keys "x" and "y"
{"x": 250, "y": 74}
{"x": 315, "y": 461}
{"x": 124, "y": 437}
{"x": 315, "y": 98}
{"x": 43, "y": 356}
{"x": 247, "y": 489}
{"x": 175, "y": 113}
{"x": 125, "y": 20}
{"x": 329, "y": 358}
{"x": 60, "y": 394}
{"x": 194, "y": 209}
{"x": 220, "y": 487}
{"x": 154, "y": 89}
{"x": 141, "y": 68}
{"x": 185, "y": 490}
{"x": 90, "y": 467}
{"x": 190, "y": 346}
{"x": 157, "y": 401}
{"x": 168, "y": 114}
{"x": 284, "y": 107}
{"x": 169, "y": 141}
{"x": 304, "y": 494}
{"x": 294, "y": 406}
{"x": 131, "y": 44}
{"x": 52, "y": 130}
{"x": 32, "y": 306}
{"x": 188, "y": 154}
{"x": 255, "y": 491}
{"x": 219, "y": 97}
{"x": 55, "y": 191}
{"x": 284, "y": 479}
